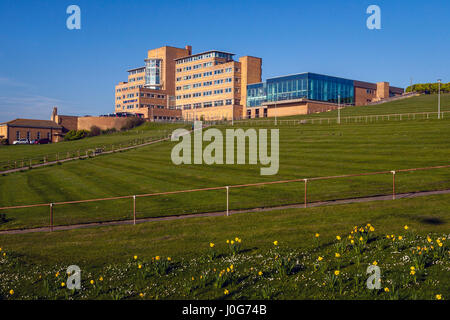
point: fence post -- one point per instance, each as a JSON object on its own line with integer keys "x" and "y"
{"x": 228, "y": 202}
{"x": 51, "y": 216}
{"x": 393, "y": 184}
{"x": 306, "y": 191}
{"x": 134, "y": 210}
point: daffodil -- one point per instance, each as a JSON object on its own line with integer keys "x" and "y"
{"x": 386, "y": 289}
{"x": 226, "y": 292}
{"x": 275, "y": 242}
{"x": 11, "y": 292}
{"x": 336, "y": 272}
{"x": 438, "y": 297}
{"x": 211, "y": 245}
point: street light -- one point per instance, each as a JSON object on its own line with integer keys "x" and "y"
{"x": 439, "y": 99}
{"x": 339, "y": 109}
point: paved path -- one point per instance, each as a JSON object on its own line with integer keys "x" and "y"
{"x": 224, "y": 213}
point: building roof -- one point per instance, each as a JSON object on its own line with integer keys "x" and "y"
{"x": 136, "y": 69}
{"x": 199, "y": 54}
{"x": 32, "y": 123}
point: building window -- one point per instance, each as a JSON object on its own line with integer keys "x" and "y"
{"x": 228, "y": 102}
{"x": 38, "y": 135}
{"x": 17, "y": 135}
{"x": 48, "y": 136}
{"x": 28, "y": 135}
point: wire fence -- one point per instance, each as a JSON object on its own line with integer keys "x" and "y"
{"x": 348, "y": 119}
{"x": 225, "y": 198}
{"x": 80, "y": 153}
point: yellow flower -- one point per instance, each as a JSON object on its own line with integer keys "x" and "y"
{"x": 228, "y": 241}
{"x": 372, "y": 229}
{"x": 260, "y": 273}
{"x": 360, "y": 238}
{"x": 236, "y": 239}
{"x": 400, "y": 238}
{"x": 11, "y": 292}
{"x": 336, "y": 272}
{"x": 320, "y": 258}
{"x": 63, "y": 284}
{"x": 337, "y": 255}
{"x": 139, "y": 266}
{"x": 317, "y": 235}
{"x": 438, "y": 297}
{"x": 275, "y": 242}
{"x": 0, "y": 249}
{"x": 57, "y": 275}
{"x": 352, "y": 241}
{"x": 386, "y": 289}
{"x": 239, "y": 240}
{"x": 429, "y": 239}
{"x": 141, "y": 295}
{"x": 375, "y": 263}
{"x": 413, "y": 268}
{"x": 231, "y": 267}
{"x": 338, "y": 237}
{"x": 92, "y": 281}
{"x": 412, "y": 272}
{"x": 440, "y": 244}
{"x": 101, "y": 278}
{"x": 211, "y": 245}
{"x": 406, "y": 227}
{"x": 228, "y": 269}
{"x": 232, "y": 242}
{"x": 226, "y": 292}
{"x": 135, "y": 257}
{"x": 193, "y": 278}
{"x": 169, "y": 259}
{"x": 157, "y": 258}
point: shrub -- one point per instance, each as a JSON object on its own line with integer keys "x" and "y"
{"x": 95, "y": 131}
{"x": 132, "y": 123}
{"x": 76, "y": 135}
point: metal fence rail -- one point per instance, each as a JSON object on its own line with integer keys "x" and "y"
{"x": 306, "y": 181}
{"x": 349, "y": 119}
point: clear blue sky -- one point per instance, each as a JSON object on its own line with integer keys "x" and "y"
{"x": 42, "y": 63}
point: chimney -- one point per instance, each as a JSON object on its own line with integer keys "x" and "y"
{"x": 188, "y": 49}
{"x": 54, "y": 114}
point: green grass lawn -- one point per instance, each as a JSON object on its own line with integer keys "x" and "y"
{"x": 305, "y": 151}
{"x": 108, "y": 252}
{"x": 11, "y": 153}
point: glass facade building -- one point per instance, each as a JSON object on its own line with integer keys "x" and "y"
{"x": 310, "y": 86}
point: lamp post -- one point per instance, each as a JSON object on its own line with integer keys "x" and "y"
{"x": 439, "y": 99}
{"x": 339, "y": 109}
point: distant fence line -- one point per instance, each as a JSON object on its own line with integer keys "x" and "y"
{"x": 227, "y": 188}
{"x": 350, "y": 119}
{"x": 80, "y": 153}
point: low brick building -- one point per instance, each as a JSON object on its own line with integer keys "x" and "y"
{"x": 30, "y": 129}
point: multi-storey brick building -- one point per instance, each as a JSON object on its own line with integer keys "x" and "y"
{"x": 212, "y": 86}
{"x": 150, "y": 89}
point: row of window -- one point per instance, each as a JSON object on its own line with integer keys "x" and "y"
{"x": 129, "y": 88}
{"x": 136, "y": 79}
{"x": 143, "y": 95}
{"x": 206, "y": 74}
{"x": 205, "y": 93}
{"x": 38, "y": 135}
{"x": 135, "y": 106}
{"x": 206, "y": 83}
{"x": 206, "y": 56}
{"x": 217, "y": 103}
{"x": 140, "y": 70}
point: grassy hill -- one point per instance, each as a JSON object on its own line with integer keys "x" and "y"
{"x": 305, "y": 151}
